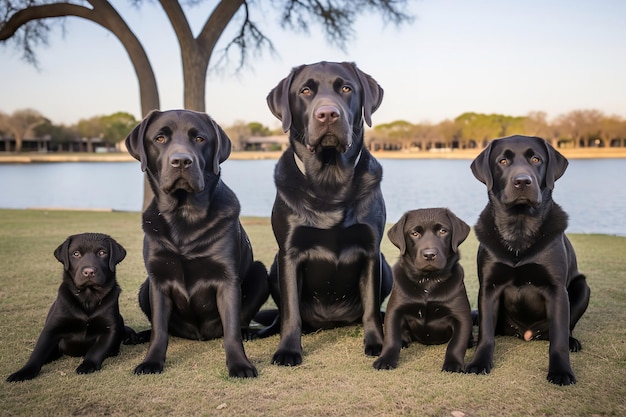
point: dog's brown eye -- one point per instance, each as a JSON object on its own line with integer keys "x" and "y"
{"x": 346, "y": 89}
{"x": 76, "y": 254}
{"x": 535, "y": 160}
{"x": 306, "y": 91}
{"x": 443, "y": 232}
{"x": 416, "y": 234}
{"x": 102, "y": 252}
{"x": 199, "y": 139}
{"x": 160, "y": 139}
{"x": 503, "y": 161}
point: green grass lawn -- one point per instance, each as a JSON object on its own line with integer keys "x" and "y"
{"x": 336, "y": 378}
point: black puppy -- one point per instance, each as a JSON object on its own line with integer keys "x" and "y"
{"x": 202, "y": 281}
{"x": 428, "y": 302}
{"x": 530, "y": 286}
{"x": 85, "y": 318}
{"x": 329, "y": 214}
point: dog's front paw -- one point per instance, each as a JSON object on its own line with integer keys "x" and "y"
{"x": 452, "y": 366}
{"x": 87, "y": 367}
{"x": 561, "y": 378}
{"x": 384, "y": 363}
{"x": 24, "y": 374}
{"x": 574, "y": 345}
{"x": 149, "y": 368}
{"x": 287, "y": 358}
{"x": 243, "y": 370}
{"x": 479, "y": 367}
{"x": 373, "y": 349}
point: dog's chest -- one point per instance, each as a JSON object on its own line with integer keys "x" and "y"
{"x": 429, "y": 322}
{"x": 186, "y": 276}
{"x": 530, "y": 275}
{"x": 334, "y": 244}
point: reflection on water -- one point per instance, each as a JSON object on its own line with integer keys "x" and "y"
{"x": 591, "y": 191}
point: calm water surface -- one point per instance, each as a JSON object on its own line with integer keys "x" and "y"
{"x": 592, "y": 191}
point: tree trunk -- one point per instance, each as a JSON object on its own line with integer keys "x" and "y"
{"x": 18, "y": 142}
{"x": 196, "y": 52}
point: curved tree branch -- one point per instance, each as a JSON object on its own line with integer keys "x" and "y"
{"x": 106, "y": 16}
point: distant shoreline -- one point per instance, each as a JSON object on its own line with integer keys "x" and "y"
{"x": 26, "y": 158}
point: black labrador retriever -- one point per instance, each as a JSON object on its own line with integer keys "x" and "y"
{"x": 202, "y": 281}
{"x": 329, "y": 214}
{"x": 530, "y": 286}
{"x": 428, "y": 302}
{"x": 85, "y": 318}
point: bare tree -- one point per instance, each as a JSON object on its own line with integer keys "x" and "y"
{"x": 26, "y": 23}
{"x": 20, "y": 124}
{"x": 578, "y": 125}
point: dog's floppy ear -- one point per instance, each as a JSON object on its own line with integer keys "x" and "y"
{"x": 556, "y": 164}
{"x": 278, "y": 99}
{"x": 134, "y": 140}
{"x": 222, "y": 145}
{"x": 396, "y": 234}
{"x": 116, "y": 253}
{"x": 481, "y": 166}
{"x": 372, "y": 94}
{"x": 460, "y": 230}
{"x": 62, "y": 253}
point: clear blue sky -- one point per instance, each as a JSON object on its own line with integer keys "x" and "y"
{"x": 488, "y": 56}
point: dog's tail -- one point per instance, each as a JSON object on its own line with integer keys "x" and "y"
{"x": 131, "y": 337}
{"x": 270, "y": 319}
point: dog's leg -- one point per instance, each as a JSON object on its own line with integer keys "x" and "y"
{"x": 578, "y": 293}
{"x": 255, "y": 291}
{"x": 488, "y": 307}
{"x": 393, "y": 337}
{"x": 455, "y": 353}
{"x": 229, "y": 307}
{"x": 160, "y": 310}
{"x": 370, "y": 296}
{"x": 289, "y": 350}
{"x": 46, "y": 349}
{"x": 100, "y": 350}
{"x": 559, "y": 369}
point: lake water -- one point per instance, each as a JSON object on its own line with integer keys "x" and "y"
{"x": 592, "y": 191}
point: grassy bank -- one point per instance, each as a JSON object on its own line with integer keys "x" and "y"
{"x": 335, "y": 377}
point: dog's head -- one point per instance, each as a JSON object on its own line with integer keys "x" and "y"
{"x": 518, "y": 170}
{"x": 180, "y": 149}
{"x": 428, "y": 239}
{"x": 89, "y": 260}
{"x": 324, "y": 104}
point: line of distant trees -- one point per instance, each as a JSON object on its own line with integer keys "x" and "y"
{"x": 29, "y": 130}
{"x": 578, "y": 128}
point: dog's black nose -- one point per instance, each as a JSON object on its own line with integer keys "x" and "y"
{"x": 181, "y": 160}
{"x": 429, "y": 254}
{"x": 522, "y": 181}
{"x": 327, "y": 114}
{"x": 89, "y": 272}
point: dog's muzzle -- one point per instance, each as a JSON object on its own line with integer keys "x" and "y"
{"x": 182, "y": 172}
{"x": 328, "y": 128}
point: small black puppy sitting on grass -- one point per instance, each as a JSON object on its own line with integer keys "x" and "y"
{"x": 85, "y": 318}
{"x": 428, "y": 302}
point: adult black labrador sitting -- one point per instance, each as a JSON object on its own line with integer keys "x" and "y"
{"x": 202, "y": 281}
{"x": 329, "y": 214}
{"x": 85, "y": 318}
{"x": 530, "y": 286}
{"x": 428, "y": 302}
